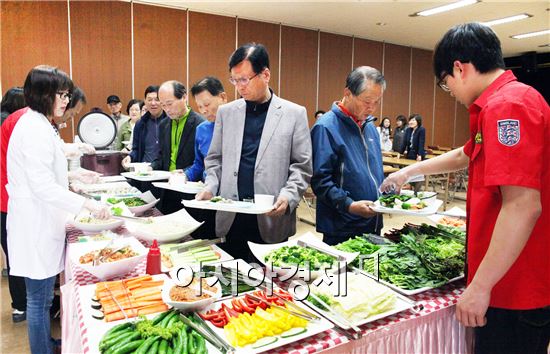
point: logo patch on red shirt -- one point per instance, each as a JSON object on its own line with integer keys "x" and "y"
{"x": 508, "y": 132}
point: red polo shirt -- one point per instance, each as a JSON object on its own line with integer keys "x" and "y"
{"x": 7, "y": 129}
{"x": 510, "y": 146}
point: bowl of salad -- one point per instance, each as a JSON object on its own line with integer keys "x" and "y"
{"x": 90, "y": 225}
{"x": 136, "y": 204}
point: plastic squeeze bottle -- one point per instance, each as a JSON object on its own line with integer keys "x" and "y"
{"x": 153, "y": 259}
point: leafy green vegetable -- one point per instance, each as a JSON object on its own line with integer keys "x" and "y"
{"x": 420, "y": 256}
{"x": 326, "y": 298}
{"x": 299, "y": 256}
{"x": 388, "y": 200}
{"x": 117, "y": 211}
{"x": 130, "y": 201}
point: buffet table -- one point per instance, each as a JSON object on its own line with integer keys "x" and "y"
{"x": 431, "y": 329}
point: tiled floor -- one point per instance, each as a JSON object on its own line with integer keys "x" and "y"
{"x": 14, "y": 336}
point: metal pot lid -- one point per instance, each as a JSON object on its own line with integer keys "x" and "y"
{"x": 97, "y": 129}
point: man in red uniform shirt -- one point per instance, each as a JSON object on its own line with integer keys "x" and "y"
{"x": 507, "y": 299}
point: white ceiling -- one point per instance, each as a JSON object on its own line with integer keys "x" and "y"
{"x": 360, "y": 18}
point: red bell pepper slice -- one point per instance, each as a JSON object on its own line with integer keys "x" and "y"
{"x": 229, "y": 312}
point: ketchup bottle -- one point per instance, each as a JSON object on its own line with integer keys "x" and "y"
{"x": 153, "y": 259}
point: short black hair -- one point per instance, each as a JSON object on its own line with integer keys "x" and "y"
{"x": 416, "y": 117}
{"x": 357, "y": 80}
{"x": 13, "y": 100}
{"x": 210, "y": 84}
{"x": 78, "y": 96}
{"x": 132, "y": 102}
{"x": 468, "y": 43}
{"x": 42, "y": 84}
{"x": 255, "y": 53}
{"x": 319, "y": 112}
{"x": 401, "y": 118}
{"x": 151, "y": 88}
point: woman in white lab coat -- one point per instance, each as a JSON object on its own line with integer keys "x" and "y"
{"x": 39, "y": 200}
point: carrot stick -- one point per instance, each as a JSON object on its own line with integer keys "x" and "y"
{"x": 152, "y": 309}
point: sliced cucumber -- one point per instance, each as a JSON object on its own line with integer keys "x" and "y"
{"x": 293, "y": 332}
{"x": 200, "y": 249}
{"x": 98, "y": 314}
{"x": 96, "y": 305}
{"x": 95, "y": 299}
{"x": 262, "y": 342}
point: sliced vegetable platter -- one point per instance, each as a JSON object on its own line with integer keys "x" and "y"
{"x": 147, "y": 176}
{"x": 365, "y": 301}
{"x": 411, "y": 260}
{"x": 98, "y": 330}
{"x": 252, "y": 326}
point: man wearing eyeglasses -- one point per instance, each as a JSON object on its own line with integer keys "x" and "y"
{"x": 261, "y": 145}
{"x": 347, "y": 160}
{"x": 507, "y": 299}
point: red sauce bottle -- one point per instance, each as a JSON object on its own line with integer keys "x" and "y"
{"x": 153, "y": 259}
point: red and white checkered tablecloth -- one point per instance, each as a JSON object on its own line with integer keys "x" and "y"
{"x": 431, "y": 301}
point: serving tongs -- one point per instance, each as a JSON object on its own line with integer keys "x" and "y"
{"x": 207, "y": 333}
{"x": 95, "y": 260}
{"x": 337, "y": 317}
{"x": 338, "y": 257}
{"x": 283, "y": 309}
{"x": 202, "y": 243}
{"x": 147, "y": 220}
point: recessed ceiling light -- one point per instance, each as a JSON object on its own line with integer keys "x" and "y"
{"x": 531, "y": 34}
{"x": 381, "y": 23}
{"x": 448, "y": 7}
{"x": 506, "y": 20}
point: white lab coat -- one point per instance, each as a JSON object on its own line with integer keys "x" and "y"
{"x": 39, "y": 199}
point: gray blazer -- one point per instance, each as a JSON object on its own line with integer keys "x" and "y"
{"x": 283, "y": 164}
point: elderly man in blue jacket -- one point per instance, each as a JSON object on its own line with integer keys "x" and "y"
{"x": 347, "y": 160}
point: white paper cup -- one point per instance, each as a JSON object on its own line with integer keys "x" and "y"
{"x": 177, "y": 180}
{"x": 264, "y": 200}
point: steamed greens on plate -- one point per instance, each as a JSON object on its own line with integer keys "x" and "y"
{"x": 400, "y": 201}
{"x": 129, "y": 202}
{"x": 419, "y": 256}
{"x": 299, "y": 256}
{"x": 364, "y": 297}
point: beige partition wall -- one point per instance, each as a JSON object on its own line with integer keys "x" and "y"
{"x": 397, "y": 71}
{"x": 299, "y": 67}
{"x": 33, "y": 33}
{"x": 268, "y": 34}
{"x": 422, "y": 89}
{"x": 119, "y": 47}
{"x": 160, "y": 46}
{"x": 212, "y": 39}
{"x": 335, "y": 55}
{"x": 101, "y": 45}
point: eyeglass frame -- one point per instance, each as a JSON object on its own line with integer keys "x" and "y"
{"x": 243, "y": 81}
{"x": 64, "y": 95}
{"x": 442, "y": 82}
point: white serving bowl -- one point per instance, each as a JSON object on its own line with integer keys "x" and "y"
{"x": 89, "y": 228}
{"x": 148, "y": 197}
{"x": 105, "y": 271}
{"x": 172, "y": 233}
{"x": 189, "y": 306}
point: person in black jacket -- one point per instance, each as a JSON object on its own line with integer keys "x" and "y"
{"x": 145, "y": 143}
{"x": 398, "y": 144}
{"x": 177, "y": 134}
{"x": 176, "y": 139}
{"x": 415, "y": 138}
